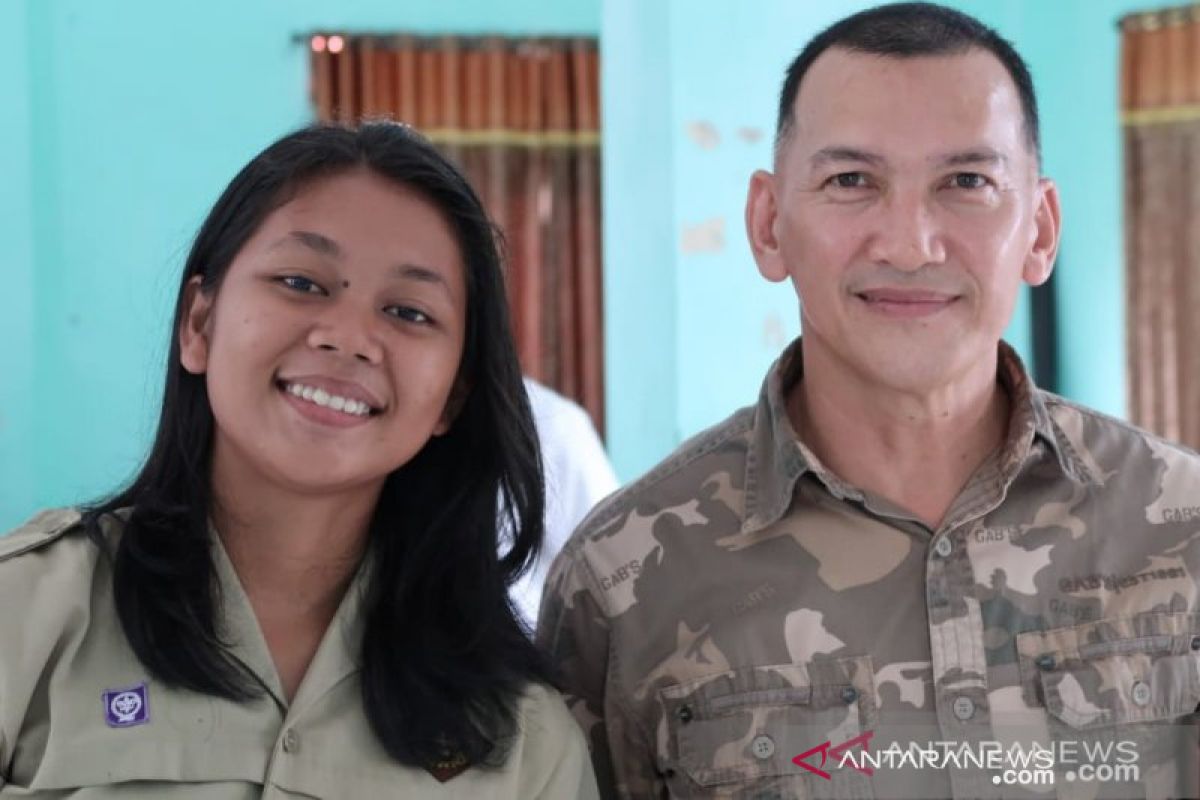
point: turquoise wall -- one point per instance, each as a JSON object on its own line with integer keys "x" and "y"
{"x": 124, "y": 119}
{"x": 641, "y": 274}
{"x": 685, "y": 175}
{"x": 127, "y": 118}
{"x": 17, "y": 479}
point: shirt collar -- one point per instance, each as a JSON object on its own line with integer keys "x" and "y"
{"x": 777, "y": 458}
{"x": 336, "y": 657}
{"x": 1030, "y": 421}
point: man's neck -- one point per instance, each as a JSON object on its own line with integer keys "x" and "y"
{"x": 917, "y": 450}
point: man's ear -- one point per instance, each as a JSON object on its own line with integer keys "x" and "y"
{"x": 761, "y": 213}
{"x": 1047, "y": 220}
{"x": 194, "y": 329}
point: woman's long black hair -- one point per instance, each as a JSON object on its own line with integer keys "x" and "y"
{"x": 444, "y": 655}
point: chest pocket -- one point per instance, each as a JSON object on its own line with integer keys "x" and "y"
{"x": 735, "y": 734}
{"x": 1124, "y": 692}
{"x": 88, "y": 766}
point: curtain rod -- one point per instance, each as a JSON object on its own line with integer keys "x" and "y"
{"x": 1153, "y": 18}
{"x": 305, "y": 38}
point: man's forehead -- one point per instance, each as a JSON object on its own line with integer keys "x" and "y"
{"x": 943, "y": 102}
{"x": 838, "y": 67}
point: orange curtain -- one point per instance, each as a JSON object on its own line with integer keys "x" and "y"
{"x": 1160, "y": 104}
{"x": 521, "y": 117}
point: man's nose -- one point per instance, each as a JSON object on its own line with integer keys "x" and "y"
{"x": 907, "y": 236}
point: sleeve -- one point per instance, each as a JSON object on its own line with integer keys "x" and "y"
{"x": 48, "y": 582}
{"x": 575, "y": 632}
{"x": 23, "y": 653}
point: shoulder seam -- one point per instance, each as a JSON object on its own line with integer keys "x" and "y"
{"x": 69, "y": 519}
{"x": 738, "y": 423}
{"x": 1058, "y": 400}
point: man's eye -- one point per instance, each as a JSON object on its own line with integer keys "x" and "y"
{"x": 409, "y": 314}
{"x": 301, "y": 284}
{"x": 848, "y": 180}
{"x": 969, "y": 180}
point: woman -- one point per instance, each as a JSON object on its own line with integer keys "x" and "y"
{"x": 302, "y": 593}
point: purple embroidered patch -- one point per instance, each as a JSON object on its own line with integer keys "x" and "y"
{"x": 126, "y": 707}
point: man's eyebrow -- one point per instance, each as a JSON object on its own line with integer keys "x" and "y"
{"x": 827, "y": 155}
{"x": 965, "y": 158}
{"x": 314, "y": 241}
{"x": 974, "y": 157}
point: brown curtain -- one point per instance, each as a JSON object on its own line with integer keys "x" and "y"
{"x": 1160, "y": 103}
{"x": 521, "y": 117}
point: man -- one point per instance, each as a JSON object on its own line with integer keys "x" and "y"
{"x": 904, "y": 541}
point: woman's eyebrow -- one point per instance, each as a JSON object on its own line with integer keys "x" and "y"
{"x": 313, "y": 241}
{"x": 415, "y": 272}
{"x": 322, "y": 244}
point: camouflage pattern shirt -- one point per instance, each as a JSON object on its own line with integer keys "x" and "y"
{"x": 738, "y": 620}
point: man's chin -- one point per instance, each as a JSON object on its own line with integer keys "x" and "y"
{"x": 908, "y": 370}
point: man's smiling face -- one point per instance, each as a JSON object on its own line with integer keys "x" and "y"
{"x": 907, "y": 209}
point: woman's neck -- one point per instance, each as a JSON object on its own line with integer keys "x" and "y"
{"x": 294, "y": 553}
{"x": 287, "y": 537}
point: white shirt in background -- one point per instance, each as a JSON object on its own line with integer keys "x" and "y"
{"x": 578, "y": 475}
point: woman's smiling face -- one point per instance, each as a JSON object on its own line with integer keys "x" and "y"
{"x": 331, "y": 347}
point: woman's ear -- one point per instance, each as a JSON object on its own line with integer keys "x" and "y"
{"x": 454, "y": 405}
{"x": 194, "y": 329}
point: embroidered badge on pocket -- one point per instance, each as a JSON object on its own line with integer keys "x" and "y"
{"x": 124, "y": 708}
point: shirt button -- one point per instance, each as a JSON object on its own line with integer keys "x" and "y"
{"x": 1044, "y": 661}
{"x": 964, "y": 708}
{"x": 849, "y": 695}
{"x": 1141, "y": 693}
{"x": 684, "y": 714}
{"x": 291, "y": 741}
{"x": 944, "y": 547}
{"x": 763, "y": 747}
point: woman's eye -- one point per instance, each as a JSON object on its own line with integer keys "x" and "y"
{"x": 301, "y": 284}
{"x": 409, "y": 314}
{"x": 969, "y": 180}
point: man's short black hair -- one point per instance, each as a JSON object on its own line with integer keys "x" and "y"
{"x": 903, "y": 30}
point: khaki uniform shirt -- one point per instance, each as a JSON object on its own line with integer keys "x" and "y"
{"x": 741, "y": 606}
{"x": 81, "y": 718}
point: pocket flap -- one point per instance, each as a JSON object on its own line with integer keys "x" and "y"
{"x": 74, "y": 765}
{"x": 1114, "y": 672}
{"x": 746, "y": 724}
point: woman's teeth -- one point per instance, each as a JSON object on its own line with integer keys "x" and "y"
{"x": 320, "y": 397}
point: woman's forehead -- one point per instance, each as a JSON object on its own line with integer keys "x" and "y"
{"x": 358, "y": 217}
